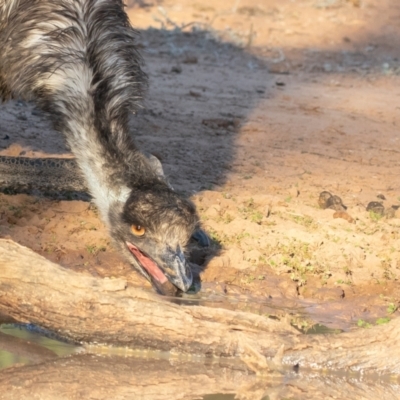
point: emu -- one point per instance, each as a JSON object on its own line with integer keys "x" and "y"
{"x": 78, "y": 60}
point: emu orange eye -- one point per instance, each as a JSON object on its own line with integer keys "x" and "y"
{"x": 138, "y": 230}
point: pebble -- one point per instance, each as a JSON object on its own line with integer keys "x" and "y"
{"x": 177, "y": 69}
{"x": 335, "y": 203}
{"x": 323, "y": 199}
{"x": 391, "y": 212}
{"x": 376, "y": 207}
{"x": 344, "y": 215}
{"x": 189, "y": 59}
{"x": 194, "y": 94}
{"x": 327, "y": 200}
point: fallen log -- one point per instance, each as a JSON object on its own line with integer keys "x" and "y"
{"x": 88, "y": 309}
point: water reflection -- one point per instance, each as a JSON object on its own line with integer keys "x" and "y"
{"x": 8, "y": 359}
{"x": 308, "y": 315}
{"x": 210, "y": 296}
{"x": 19, "y": 345}
{"x": 53, "y": 371}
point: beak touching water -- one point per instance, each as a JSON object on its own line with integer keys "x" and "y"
{"x": 171, "y": 266}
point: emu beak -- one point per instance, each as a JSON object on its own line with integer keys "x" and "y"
{"x": 171, "y": 266}
{"x": 176, "y": 269}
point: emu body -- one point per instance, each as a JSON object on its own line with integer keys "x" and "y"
{"x": 77, "y": 59}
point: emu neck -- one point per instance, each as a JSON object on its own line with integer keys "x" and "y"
{"x": 110, "y": 162}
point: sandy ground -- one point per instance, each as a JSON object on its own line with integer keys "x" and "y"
{"x": 254, "y": 109}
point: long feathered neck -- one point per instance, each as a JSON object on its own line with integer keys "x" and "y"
{"x": 110, "y": 162}
{"x": 78, "y": 59}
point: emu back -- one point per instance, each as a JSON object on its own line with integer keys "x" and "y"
{"x": 62, "y": 51}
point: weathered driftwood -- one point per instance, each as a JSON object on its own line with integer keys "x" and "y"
{"x": 94, "y": 377}
{"x": 88, "y": 309}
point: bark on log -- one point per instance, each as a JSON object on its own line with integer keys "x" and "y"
{"x": 88, "y": 309}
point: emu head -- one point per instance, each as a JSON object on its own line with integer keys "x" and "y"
{"x": 152, "y": 230}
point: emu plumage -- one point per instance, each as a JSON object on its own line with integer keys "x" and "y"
{"x": 78, "y": 60}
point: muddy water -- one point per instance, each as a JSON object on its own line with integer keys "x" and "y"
{"x": 309, "y": 316}
{"x": 34, "y": 365}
